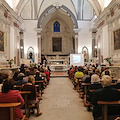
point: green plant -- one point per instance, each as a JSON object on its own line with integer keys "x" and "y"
{"x": 10, "y": 61}
{"x": 109, "y": 60}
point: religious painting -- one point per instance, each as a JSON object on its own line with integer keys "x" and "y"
{"x": 116, "y": 35}
{"x": 57, "y": 44}
{"x": 1, "y": 41}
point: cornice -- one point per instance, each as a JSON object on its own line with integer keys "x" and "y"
{"x": 109, "y": 14}
{"x": 10, "y": 11}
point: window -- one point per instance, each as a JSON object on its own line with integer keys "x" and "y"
{"x": 56, "y": 27}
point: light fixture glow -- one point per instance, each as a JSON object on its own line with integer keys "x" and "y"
{"x": 21, "y": 47}
{"x": 96, "y": 47}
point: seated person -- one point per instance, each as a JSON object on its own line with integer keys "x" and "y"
{"x": 15, "y": 76}
{"x": 11, "y": 96}
{"x": 95, "y": 84}
{"x": 27, "y": 73}
{"x": 107, "y": 93}
{"x": 78, "y": 74}
{"x": 1, "y": 82}
{"x": 39, "y": 78}
{"x": 86, "y": 77}
{"x": 117, "y": 86}
{"x": 107, "y": 72}
{"x": 20, "y": 81}
{"x": 32, "y": 98}
{"x": 47, "y": 75}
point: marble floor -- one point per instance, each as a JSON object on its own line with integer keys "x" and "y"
{"x": 61, "y": 102}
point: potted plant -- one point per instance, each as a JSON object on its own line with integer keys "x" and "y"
{"x": 109, "y": 60}
{"x": 10, "y": 62}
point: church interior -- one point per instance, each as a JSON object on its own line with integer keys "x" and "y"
{"x": 46, "y": 33}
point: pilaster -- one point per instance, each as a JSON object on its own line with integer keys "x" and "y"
{"x": 39, "y": 30}
{"x": 76, "y": 33}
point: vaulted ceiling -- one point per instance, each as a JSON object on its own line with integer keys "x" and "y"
{"x": 18, "y": 5}
{"x": 44, "y": 10}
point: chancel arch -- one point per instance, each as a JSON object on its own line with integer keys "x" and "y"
{"x": 61, "y": 38}
{"x": 51, "y": 9}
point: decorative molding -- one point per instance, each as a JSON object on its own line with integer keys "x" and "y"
{"x": 16, "y": 25}
{"x": 10, "y": 11}
{"x": 101, "y": 24}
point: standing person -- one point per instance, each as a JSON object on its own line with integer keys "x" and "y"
{"x": 11, "y": 96}
{"x": 107, "y": 93}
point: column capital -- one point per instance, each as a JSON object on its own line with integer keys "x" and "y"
{"x": 38, "y": 30}
{"x": 76, "y": 30}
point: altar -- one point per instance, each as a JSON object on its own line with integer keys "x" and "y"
{"x": 59, "y": 67}
{"x": 58, "y": 63}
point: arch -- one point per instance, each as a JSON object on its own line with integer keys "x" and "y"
{"x": 61, "y": 7}
{"x": 20, "y": 6}
{"x": 96, "y": 6}
{"x": 86, "y": 54}
{"x": 30, "y": 53}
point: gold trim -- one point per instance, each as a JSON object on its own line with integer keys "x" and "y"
{"x": 2, "y": 41}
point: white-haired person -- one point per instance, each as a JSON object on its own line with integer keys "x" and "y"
{"x": 106, "y": 93}
{"x": 95, "y": 84}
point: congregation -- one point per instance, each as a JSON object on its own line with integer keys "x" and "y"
{"x": 33, "y": 80}
{"x": 93, "y": 85}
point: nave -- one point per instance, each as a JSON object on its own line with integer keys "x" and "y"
{"x": 61, "y": 102}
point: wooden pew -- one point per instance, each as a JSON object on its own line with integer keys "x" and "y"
{"x": 85, "y": 85}
{"x": 104, "y": 107}
{"x": 18, "y": 87}
{"x": 40, "y": 83}
{"x": 11, "y": 106}
{"x": 26, "y": 93}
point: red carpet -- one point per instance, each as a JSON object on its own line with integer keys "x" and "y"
{"x": 62, "y": 74}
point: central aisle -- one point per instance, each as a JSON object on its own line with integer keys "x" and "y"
{"x": 61, "y": 102}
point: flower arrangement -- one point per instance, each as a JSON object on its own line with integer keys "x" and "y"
{"x": 10, "y": 62}
{"x": 109, "y": 60}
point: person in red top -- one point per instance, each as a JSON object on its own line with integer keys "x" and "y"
{"x": 47, "y": 75}
{"x": 11, "y": 96}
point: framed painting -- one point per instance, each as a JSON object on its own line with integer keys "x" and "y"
{"x": 57, "y": 44}
{"x": 116, "y": 36}
{"x": 2, "y": 41}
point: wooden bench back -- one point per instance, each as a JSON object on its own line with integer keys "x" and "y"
{"x": 105, "y": 107}
{"x": 7, "y": 111}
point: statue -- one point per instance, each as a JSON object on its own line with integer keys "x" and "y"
{"x": 30, "y": 55}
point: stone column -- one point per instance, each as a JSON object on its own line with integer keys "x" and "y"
{"x": 76, "y": 31}
{"x": 39, "y": 30}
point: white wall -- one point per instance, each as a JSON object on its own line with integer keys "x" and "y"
{"x": 85, "y": 37}
{"x": 30, "y": 37}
